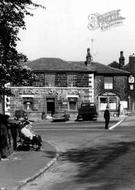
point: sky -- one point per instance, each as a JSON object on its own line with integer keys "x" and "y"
{"x": 61, "y": 31}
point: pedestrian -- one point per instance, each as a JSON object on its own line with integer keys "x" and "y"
{"x": 118, "y": 110}
{"x": 107, "y": 117}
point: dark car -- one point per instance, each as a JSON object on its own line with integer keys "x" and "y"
{"x": 61, "y": 116}
{"x": 87, "y": 111}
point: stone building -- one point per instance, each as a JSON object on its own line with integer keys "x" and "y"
{"x": 110, "y": 87}
{"x": 62, "y": 85}
{"x": 59, "y": 85}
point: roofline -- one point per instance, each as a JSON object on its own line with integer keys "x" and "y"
{"x": 67, "y": 71}
{"x": 88, "y": 72}
{"x": 113, "y": 74}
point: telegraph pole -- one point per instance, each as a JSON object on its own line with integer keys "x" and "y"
{"x": 92, "y": 50}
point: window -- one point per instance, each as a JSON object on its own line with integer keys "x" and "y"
{"x": 72, "y": 103}
{"x": 111, "y": 101}
{"x": 108, "y": 82}
{"x": 71, "y": 80}
{"x": 82, "y": 80}
{"x": 39, "y": 80}
{"x": 131, "y": 79}
{"x": 50, "y": 80}
{"x": 28, "y": 103}
{"x": 61, "y": 80}
{"x": 131, "y": 87}
{"x": 72, "y": 106}
{"x": 103, "y": 103}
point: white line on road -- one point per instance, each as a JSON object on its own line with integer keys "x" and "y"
{"x": 116, "y": 124}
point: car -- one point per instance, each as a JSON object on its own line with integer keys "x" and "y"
{"x": 87, "y": 111}
{"x": 61, "y": 116}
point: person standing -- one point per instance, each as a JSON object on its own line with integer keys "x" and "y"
{"x": 107, "y": 117}
{"x": 118, "y": 110}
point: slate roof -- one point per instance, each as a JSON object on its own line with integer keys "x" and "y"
{"x": 102, "y": 69}
{"x": 56, "y": 64}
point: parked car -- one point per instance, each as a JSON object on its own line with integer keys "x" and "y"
{"x": 87, "y": 111}
{"x": 61, "y": 116}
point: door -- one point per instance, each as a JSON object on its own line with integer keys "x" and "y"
{"x": 50, "y": 105}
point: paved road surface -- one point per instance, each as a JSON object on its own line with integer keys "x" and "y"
{"x": 90, "y": 160}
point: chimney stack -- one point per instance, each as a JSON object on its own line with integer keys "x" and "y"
{"x": 132, "y": 62}
{"x": 121, "y": 60}
{"x": 88, "y": 57}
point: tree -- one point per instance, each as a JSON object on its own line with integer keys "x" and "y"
{"x": 114, "y": 64}
{"x": 12, "y": 69}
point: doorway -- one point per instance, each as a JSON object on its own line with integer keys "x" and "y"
{"x": 50, "y": 105}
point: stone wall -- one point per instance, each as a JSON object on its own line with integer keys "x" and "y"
{"x": 119, "y": 91}
{"x": 39, "y": 96}
{"x": 119, "y": 86}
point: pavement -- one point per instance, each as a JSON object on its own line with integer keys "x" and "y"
{"x": 22, "y": 167}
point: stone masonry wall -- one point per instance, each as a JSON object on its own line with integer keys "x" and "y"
{"x": 119, "y": 86}
{"x": 40, "y": 95}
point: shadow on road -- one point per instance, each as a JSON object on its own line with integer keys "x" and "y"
{"x": 49, "y": 154}
{"x": 92, "y": 162}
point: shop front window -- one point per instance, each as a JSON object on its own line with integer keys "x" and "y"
{"x": 28, "y": 103}
{"x": 110, "y": 101}
{"x": 103, "y": 103}
{"x": 72, "y": 104}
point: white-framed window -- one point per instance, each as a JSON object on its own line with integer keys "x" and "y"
{"x": 108, "y": 82}
{"x": 72, "y": 103}
{"x": 28, "y": 103}
{"x": 111, "y": 101}
{"x": 103, "y": 102}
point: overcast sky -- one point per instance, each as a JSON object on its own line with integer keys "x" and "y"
{"x": 61, "y": 31}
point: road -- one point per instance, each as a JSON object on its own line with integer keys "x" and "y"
{"x": 90, "y": 159}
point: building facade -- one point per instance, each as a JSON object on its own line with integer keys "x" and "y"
{"x": 111, "y": 91}
{"x": 62, "y": 85}
{"x": 59, "y": 85}
{"x": 110, "y": 87}
{"x": 131, "y": 82}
